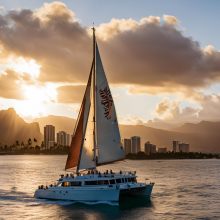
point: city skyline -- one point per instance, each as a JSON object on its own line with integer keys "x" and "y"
{"x": 37, "y": 85}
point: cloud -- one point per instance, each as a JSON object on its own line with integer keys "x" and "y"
{"x": 150, "y": 19}
{"x": 210, "y": 105}
{"x": 3, "y": 21}
{"x": 28, "y": 79}
{"x": 131, "y": 120}
{"x": 56, "y": 11}
{"x": 157, "y": 58}
{"x": 154, "y": 123}
{"x": 52, "y": 39}
{"x": 70, "y": 94}
{"x": 149, "y": 56}
{"x": 162, "y": 107}
{"x": 74, "y": 107}
{"x": 117, "y": 96}
{"x": 170, "y": 110}
{"x": 2, "y": 9}
{"x": 170, "y": 19}
{"x": 171, "y": 115}
{"x": 115, "y": 27}
{"x": 9, "y": 86}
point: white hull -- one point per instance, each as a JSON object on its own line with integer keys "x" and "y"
{"x": 95, "y": 194}
{"x": 82, "y": 194}
{"x": 137, "y": 190}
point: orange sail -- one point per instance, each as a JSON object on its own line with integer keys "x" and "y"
{"x": 77, "y": 141}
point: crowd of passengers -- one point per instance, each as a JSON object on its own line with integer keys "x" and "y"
{"x": 90, "y": 173}
{"x": 105, "y": 173}
{"x": 100, "y": 182}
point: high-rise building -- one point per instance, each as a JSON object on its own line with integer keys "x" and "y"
{"x": 184, "y": 147}
{"x": 49, "y": 136}
{"x": 62, "y": 138}
{"x": 176, "y": 146}
{"x": 153, "y": 148}
{"x": 135, "y": 144}
{"x": 127, "y": 146}
{"x": 147, "y": 148}
{"x": 162, "y": 150}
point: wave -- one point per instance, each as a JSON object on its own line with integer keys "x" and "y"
{"x": 67, "y": 202}
{"x": 22, "y": 198}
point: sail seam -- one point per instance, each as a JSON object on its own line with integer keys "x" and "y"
{"x": 103, "y": 82}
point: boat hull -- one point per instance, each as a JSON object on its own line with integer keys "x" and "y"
{"x": 86, "y": 194}
{"x": 137, "y": 191}
{"x": 99, "y": 194}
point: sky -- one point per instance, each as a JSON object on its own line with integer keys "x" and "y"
{"x": 161, "y": 58}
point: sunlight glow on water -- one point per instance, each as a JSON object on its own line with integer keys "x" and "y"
{"x": 184, "y": 189}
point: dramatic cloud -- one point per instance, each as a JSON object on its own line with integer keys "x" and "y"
{"x": 70, "y": 94}
{"x": 210, "y": 105}
{"x": 162, "y": 107}
{"x": 151, "y": 19}
{"x": 170, "y": 110}
{"x": 170, "y": 19}
{"x": 150, "y": 56}
{"x": 51, "y": 38}
{"x": 9, "y": 86}
{"x": 131, "y": 120}
{"x": 171, "y": 115}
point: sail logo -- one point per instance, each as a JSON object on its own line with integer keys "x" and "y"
{"x": 106, "y": 101}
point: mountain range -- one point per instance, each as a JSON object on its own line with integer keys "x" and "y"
{"x": 198, "y": 139}
{"x": 203, "y": 127}
{"x": 202, "y": 137}
{"x": 13, "y": 128}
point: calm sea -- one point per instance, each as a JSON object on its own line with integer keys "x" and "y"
{"x": 184, "y": 189}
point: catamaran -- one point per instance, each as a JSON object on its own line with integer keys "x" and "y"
{"x": 96, "y": 141}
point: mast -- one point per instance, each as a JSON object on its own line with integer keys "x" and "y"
{"x": 94, "y": 90}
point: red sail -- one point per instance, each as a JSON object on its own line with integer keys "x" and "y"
{"x": 76, "y": 144}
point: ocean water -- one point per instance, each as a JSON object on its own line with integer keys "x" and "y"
{"x": 184, "y": 189}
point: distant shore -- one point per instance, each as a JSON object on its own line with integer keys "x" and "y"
{"x": 174, "y": 158}
{"x": 171, "y": 155}
{"x": 139, "y": 156}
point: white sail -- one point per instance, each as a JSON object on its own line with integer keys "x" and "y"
{"x": 108, "y": 136}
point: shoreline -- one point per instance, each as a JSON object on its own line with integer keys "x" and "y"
{"x": 173, "y": 159}
{"x": 8, "y": 154}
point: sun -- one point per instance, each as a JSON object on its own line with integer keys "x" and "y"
{"x": 36, "y": 95}
{"x": 23, "y": 66}
{"x": 36, "y": 100}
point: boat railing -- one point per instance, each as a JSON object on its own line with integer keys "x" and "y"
{"x": 125, "y": 173}
{"x": 129, "y": 173}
